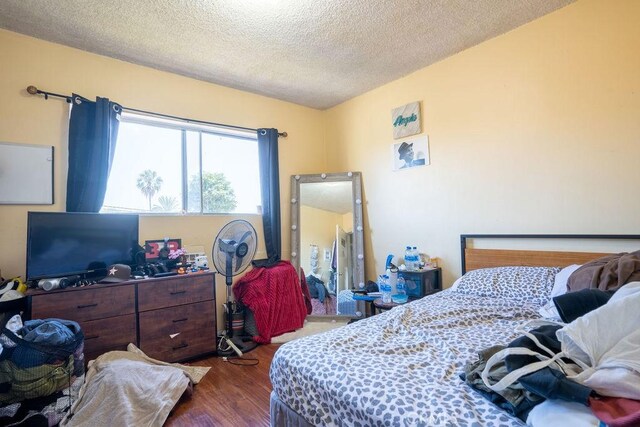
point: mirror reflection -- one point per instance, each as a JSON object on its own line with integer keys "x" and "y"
{"x": 324, "y": 219}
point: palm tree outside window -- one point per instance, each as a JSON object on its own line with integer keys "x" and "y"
{"x": 149, "y": 184}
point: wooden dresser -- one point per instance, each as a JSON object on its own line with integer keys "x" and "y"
{"x": 169, "y": 318}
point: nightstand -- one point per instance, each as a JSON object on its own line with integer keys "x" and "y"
{"x": 420, "y": 283}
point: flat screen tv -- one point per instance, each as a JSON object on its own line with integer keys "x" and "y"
{"x": 61, "y": 244}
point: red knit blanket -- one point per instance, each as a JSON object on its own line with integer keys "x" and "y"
{"x": 275, "y": 297}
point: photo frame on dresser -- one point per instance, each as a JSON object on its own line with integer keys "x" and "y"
{"x": 160, "y": 249}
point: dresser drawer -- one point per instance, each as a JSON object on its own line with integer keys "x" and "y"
{"x": 192, "y": 327}
{"x": 113, "y": 333}
{"x": 175, "y": 291}
{"x": 85, "y": 304}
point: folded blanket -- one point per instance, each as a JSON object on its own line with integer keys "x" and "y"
{"x": 608, "y": 272}
{"x": 275, "y": 296}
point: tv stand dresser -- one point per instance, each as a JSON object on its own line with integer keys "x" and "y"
{"x": 169, "y": 318}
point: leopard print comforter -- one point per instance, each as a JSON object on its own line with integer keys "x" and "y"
{"x": 401, "y": 367}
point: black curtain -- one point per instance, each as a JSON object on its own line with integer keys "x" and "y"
{"x": 270, "y": 187}
{"x": 93, "y": 129}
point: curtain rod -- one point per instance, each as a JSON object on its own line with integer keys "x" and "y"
{"x": 35, "y": 91}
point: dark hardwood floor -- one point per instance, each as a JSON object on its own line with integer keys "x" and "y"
{"x": 229, "y": 395}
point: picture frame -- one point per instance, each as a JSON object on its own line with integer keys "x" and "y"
{"x": 410, "y": 154}
{"x": 26, "y": 174}
{"x": 154, "y": 249}
{"x": 406, "y": 120}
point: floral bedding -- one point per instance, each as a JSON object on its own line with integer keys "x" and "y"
{"x": 400, "y": 367}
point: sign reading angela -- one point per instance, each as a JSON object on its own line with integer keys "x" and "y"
{"x": 406, "y": 120}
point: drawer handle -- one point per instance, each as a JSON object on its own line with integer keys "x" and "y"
{"x": 88, "y": 305}
{"x": 181, "y": 320}
{"x": 180, "y": 346}
{"x": 91, "y": 337}
{"x": 178, "y": 292}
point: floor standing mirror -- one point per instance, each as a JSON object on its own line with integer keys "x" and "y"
{"x": 327, "y": 239}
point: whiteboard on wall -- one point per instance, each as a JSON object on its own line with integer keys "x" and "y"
{"x": 26, "y": 174}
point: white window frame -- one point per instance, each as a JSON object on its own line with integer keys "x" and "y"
{"x": 184, "y": 126}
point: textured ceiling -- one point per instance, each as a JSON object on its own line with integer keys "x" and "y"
{"x": 329, "y": 196}
{"x": 311, "y": 52}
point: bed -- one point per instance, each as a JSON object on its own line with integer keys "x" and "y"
{"x": 402, "y": 367}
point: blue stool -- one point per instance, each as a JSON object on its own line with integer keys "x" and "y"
{"x": 369, "y": 299}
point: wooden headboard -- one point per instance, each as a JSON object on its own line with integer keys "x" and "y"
{"x": 472, "y": 258}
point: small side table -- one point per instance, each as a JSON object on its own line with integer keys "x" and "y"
{"x": 379, "y": 306}
{"x": 362, "y": 296}
{"x": 420, "y": 283}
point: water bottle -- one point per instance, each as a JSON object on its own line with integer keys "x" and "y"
{"x": 380, "y": 282}
{"x": 412, "y": 258}
{"x": 401, "y": 287}
{"x": 386, "y": 290}
{"x": 407, "y": 258}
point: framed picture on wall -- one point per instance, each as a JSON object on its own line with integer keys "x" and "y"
{"x": 26, "y": 174}
{"x": 410, "y": 153}
{"x": 406, "y": 120}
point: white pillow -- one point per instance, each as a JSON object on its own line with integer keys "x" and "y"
{"x": 558, "y": 413}
{"x": 455, "y": 284}
{"x": 560, "y": 281}
{"x": 549, "y": 310}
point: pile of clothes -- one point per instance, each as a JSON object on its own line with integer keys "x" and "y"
{"x": 275, "y": 299}
{"x": 40, "y": 361}
{"x": 317, "y": 289}
{"x": 587, "y": 366}
{"x": 318, "y": 299}
{"x": 128, "y": 388}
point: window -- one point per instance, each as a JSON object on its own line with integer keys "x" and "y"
{"x": 171, "y": 166}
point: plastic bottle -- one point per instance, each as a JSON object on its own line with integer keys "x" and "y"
{"x": 392, "y": 273}
{"x": 386, "y": 290}
{"x": 412, "y": 258}
{"x": 407, "y": 258}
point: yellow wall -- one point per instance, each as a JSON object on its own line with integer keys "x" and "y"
{"x": 317, "y": 227}
{"x": 535, "y": 131}
{"x": 28, "y": 119}
{"x": 347, "y": 222}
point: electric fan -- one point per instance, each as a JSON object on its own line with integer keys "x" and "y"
{"x": 233, "y": 250}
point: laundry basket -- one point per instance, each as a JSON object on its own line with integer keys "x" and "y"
{"x": 346, "y": 304}
{"x": 39, "y": 359}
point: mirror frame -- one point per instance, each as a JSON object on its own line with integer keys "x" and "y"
{"x": 358, "y": 221}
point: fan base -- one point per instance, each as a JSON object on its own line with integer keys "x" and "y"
{"x": 244, "y": 344}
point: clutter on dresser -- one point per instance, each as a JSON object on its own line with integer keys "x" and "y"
{"x": 12, "y": 289}
{"x": 161, "y": 249}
